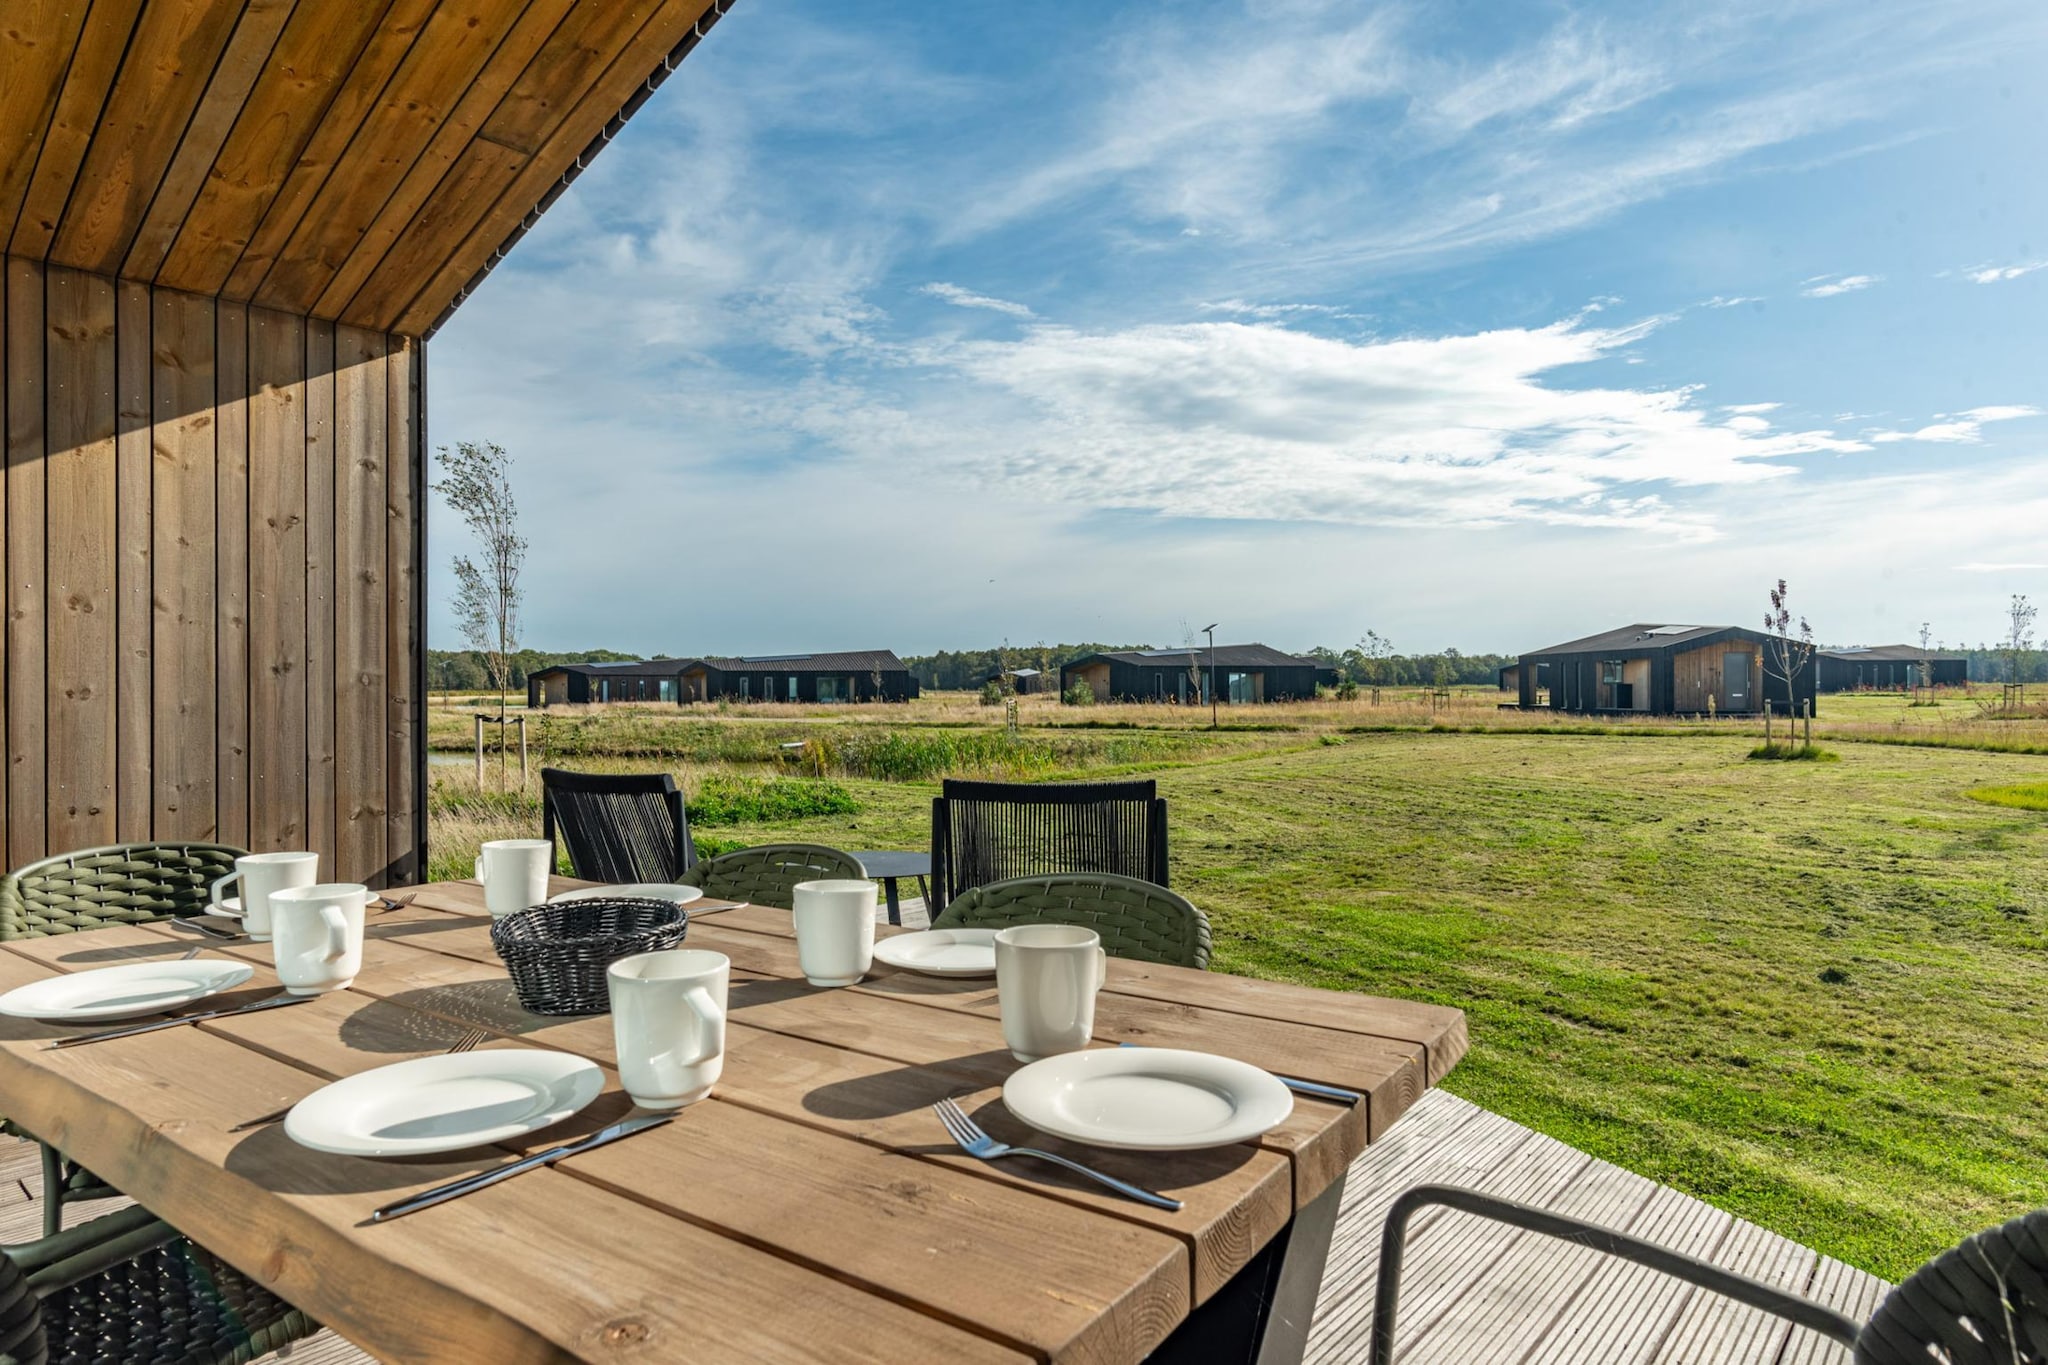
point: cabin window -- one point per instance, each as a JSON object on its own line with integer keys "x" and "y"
{"x": 828, "y": 689}
{"x": 1241, "y": 688}
{"x": 792, "y": 687}
{"x": 745, "y": 686}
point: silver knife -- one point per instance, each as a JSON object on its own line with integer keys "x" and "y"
{"x": 455, "y": 1189}
{"x": 1320, "y": 1091}
{"x": 273, "y": 1002}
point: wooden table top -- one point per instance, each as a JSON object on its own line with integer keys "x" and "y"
{"x": 812, "y": 1209}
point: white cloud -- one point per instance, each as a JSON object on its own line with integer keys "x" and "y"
{"x": 1827, "y": 286}
{"x": 1752, "y": 407}
{"x": 1980, "y": 567}
{"x": 1730, "y": 301}
{"x": 1995, "y": 274}
{"x": 964, "y": 298}
{"x": 1246, "y": 309}
{"x": 1959, "y": 428}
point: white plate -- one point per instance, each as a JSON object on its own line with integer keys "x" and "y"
{"x": 444, "y": 1103}
{"x": 941, "y": 952}
{"x": 123, "y": 992}
{"x": 1148, "y": 1099}
{"x": 646, "y": 891}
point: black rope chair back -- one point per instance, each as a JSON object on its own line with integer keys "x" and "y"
{"x": 986, "y": 832}
{"x": 618, "y": 827}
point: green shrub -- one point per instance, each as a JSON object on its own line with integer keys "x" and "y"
{"x": 722, "y": 800}
{"x": 1080, "y": 694}
{"x": 1808, "y": 753}
{"x": 991, "y": 693}
{"x": 1347, "y": 690}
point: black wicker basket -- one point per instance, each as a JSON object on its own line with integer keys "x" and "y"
{"x": 558, "y": 953}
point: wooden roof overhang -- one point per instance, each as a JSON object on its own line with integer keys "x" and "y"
{"x": 363, "y": 161}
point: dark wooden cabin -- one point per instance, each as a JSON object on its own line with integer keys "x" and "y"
{"x": 1650, "y": 669}
{"x": 581, "y": 684}
{"x": 847, "y": 675}
{"x": 1888, "y": 668}
{"x": 1243, "y": 673}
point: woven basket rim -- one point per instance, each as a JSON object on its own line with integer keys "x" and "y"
{"x": 522, "y": 928}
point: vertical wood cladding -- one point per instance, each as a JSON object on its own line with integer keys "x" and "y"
{"x": 212, "y": 523}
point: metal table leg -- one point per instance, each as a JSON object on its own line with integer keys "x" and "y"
{"x": 889, "y": 892}
{"x": 1262, "y": 1316}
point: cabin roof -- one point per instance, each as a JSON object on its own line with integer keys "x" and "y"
{"x": 364, "y": 163}
{"x": 1642, "y": 637}
{"x": 1225, "y": 656}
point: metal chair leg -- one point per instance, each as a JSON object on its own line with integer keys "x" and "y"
{"x": 1754, "y": 1293}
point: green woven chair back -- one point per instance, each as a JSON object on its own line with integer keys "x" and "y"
{"x": 120, "y": 884}
{"x": 767, "y": 875}
{"x": 1136, "y": 919}
{"x": 1984, "y": 1302}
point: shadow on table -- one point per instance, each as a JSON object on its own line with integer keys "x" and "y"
{"x": 490, "y": 1004}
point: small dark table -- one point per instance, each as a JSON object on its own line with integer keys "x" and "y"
{"x": 885, "y": 867}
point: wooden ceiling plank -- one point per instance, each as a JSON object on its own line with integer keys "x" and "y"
{"x": 315, "y": 54}
{"x": 168, "y": 66}
{"x": 480, "y": 177}
{"x": 643, "y": 53}
{"x": 36, "y": 46}
{"x": 452, "y": 50}
{"x": 337, "y": 125}
{"x": 59, "y": 147}
{"x": 536, "y": 30}
{"x": 578, "y": 53}
{"x": 241, "y": 66}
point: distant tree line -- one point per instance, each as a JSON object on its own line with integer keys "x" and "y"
{"x": 1368, "y": 663}
{"x": 968, "y": 669}
{"x": 465, "y": 670}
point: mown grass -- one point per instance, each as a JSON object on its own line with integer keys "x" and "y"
{"x": 1808, "y": 992}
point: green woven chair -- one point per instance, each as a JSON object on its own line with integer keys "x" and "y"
{"x": 767, "y": 875}
{"x": 128, "y": 1287}
{"x": 92, "y": 889}
{"x": 1136, "y": 919}
{"x": 120, "y": 884}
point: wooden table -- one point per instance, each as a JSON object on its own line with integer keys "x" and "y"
{"x": 812, "y": 1209}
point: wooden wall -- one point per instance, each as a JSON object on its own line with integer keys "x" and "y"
{"x": 212, "y": 519}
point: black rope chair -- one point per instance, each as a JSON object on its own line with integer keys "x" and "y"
{"x": 768, "y": 874}
{"x": 95, "y": 888}
{"x": 618, "y": 827}
{"x": 1137, "y": 920}
{"x": 1984, "y": 1302}
{"x": 128, "y": 1287}
{"x": 986, "y": 832}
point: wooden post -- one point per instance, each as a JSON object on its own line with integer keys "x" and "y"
{"x": 522, "y": 751}
{"x": 479, "y": 749}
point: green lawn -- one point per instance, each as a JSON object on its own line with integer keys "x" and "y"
{"x": 1811, "y": 993}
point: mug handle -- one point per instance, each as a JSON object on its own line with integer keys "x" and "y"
{"x": 1101, "y": 968}
{"x": 699, "y": 1002}
{"x": 479, "y": 872}
{"x": 336, "y": 924}
{"x": 220, "y": 885}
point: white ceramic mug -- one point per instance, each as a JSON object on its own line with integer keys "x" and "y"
{"x": 317, "y": 935}
{"x": 515, "y": 874}
{"x": 1046, "y": 979}
{"x": 262, "y": 875}
{"x": 835, "y": 930}
{"x": 668, "y": 1022}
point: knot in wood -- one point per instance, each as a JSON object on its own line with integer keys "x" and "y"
{"x": 630, "y": 1332}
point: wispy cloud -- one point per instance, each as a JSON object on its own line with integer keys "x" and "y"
{"x": 1245, "y": 309}
{"x": 1959, "y": 428}
{"x": 1730, "y": 301}
{"x": 1977, "y": 566}
{"x": 1827, "y": 286}
{"x": 966, "y": 298}
{"x": 1995, "y": 274}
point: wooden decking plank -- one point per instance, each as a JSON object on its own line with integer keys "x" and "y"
{"x": 1842, "y": 1287}
{"x": 1714, "y": 1328}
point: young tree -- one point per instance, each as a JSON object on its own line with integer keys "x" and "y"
{"x": 2018, "y": 643}
{"x": 1926, "y": 655}
{"x": 1788, "y": 651}
{"x": 1377, "y": 649}
{"x": 476, "y": 481}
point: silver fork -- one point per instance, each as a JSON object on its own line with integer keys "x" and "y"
{"x": 192, "y": 926}
{"x": 977, "y": 1143}
{"x": 465, "y": 1043}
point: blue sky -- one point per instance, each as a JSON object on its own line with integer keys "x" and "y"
{"x": 1483, "y": 325}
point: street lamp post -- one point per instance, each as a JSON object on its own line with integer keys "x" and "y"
{"x": 1210, "y": 631}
